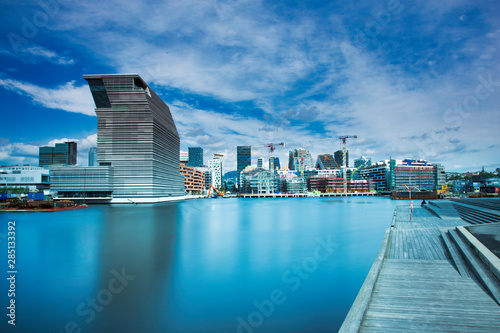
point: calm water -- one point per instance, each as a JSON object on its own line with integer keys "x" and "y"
{"x": 221, "y": 265}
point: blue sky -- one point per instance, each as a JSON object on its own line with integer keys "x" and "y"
{"x": 417, "y": 79}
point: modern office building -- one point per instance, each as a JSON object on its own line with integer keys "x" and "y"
{"x": 184, "y": 157}
{"x": 417, "y": 174}
{"x": 215, "y": 166}
{"x": 274, "y": 163}
{"x": 137, "y": 137}
{"x": 195, "y": 155}
{"x": 62, "y": 154}
{"x": 362, "y": 162}
{"x": 260, "y": 162}
{"x": 300, "y": 160}
{"x": 257, "y": 181}
{"x": 243, "y": 157}
{"x": 194, "y": 180}
{"x": 326, "y": 162}
{"x": 379, "y": 174}
{"x": 440, "y": 175}
{"x": 25, "y": 176}
{"x": 289, "y": 182}
{"x": 45, "y": 156}
{"x": 93, "y": 183}
{"x": 93, "y": 156}
{"x": 339, "y": 158}
{"x": 207, "y": 172}
{"x": 325, "y": 183}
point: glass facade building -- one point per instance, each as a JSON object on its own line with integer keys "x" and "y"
{"x": 137, "y": 137}
{"x": 195, "y": 156}
{"x": 243, "y": 157}
{"x": 93, "y": 156}
{"x": 63, "y": 153}
{"x": 339, "y": 158}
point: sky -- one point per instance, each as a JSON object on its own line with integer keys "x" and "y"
{"x": 413, "y": 79}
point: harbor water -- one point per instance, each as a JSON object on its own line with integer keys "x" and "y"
{"x": 218, "y": 265}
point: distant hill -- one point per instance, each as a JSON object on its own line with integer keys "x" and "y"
{"x": 231, "y": 174}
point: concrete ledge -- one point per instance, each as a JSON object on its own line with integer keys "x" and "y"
{"x": 486, "y": 256}
{"x": 352, "y": 321}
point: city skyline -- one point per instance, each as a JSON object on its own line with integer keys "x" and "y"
{"x": 412, "y": 80}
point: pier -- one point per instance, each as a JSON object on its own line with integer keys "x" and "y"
{"x": 308, "y": 195}
{"x": 434, "y": 273}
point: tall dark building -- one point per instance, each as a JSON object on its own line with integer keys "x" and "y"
{"x": 274, "y": 162}
{"x": 136, "y": 137}
{"x": 45, "y": 156}
{"x": 339, "y": 158}
{"x": 195, "y": 156}
{"x": 243, "y": 157}
{"x": 63, "y": 153}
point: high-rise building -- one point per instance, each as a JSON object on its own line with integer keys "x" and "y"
{"x": 339, "y": 158}
{"x": 260, "y": 162}
{"x": 244, "y": 157}
{"x": 184, "y": 157}
{"x": 300, "y": 160}
{"x": 326, "y": 162}
{"x": 93, "y": 156}
{"x": 63, "y": 153}
{"x": 215, "y": 165}
{"x": 45, "y": 156}
{"x": 137, "y": 137}
{"x": 274, "y": 163}
{"x": 195, "y": 155}
{"x": 362, "y": 162}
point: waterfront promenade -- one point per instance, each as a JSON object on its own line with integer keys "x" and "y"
{"x": 432, "y": 274}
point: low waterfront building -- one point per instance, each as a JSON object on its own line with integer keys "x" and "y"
{"x": 417, "y": 174}
{"x": 257, "y": 181}
{"x": 194, "y": 180}
{"x": 330, "y": 183}
{"x": 379, "y": 174}
{"x": 32, "y": 177}
{"x": 207, "y": 176}
{"x": 292, "y": 183}
{"x": 71, "y": 182}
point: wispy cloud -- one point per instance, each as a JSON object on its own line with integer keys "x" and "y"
{"x": 33, "y": 53}
{"x": 67, "y": 97}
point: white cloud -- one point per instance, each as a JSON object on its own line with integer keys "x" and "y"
{"x": 18, "y": 153}
{"x": 67, "y": 97}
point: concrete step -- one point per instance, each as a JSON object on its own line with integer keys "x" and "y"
{"x": 455, "y": 256}
{"x": 484, "y": 276}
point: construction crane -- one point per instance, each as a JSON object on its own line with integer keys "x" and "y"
{"x": 344, "y": 138}
{"x": 216, "y": 190}
{"x": 271, "y": 146}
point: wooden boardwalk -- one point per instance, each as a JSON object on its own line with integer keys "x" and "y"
{"x": 420, "y": 283}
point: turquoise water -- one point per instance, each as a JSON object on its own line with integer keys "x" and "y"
{"x": 219, "y": 265}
